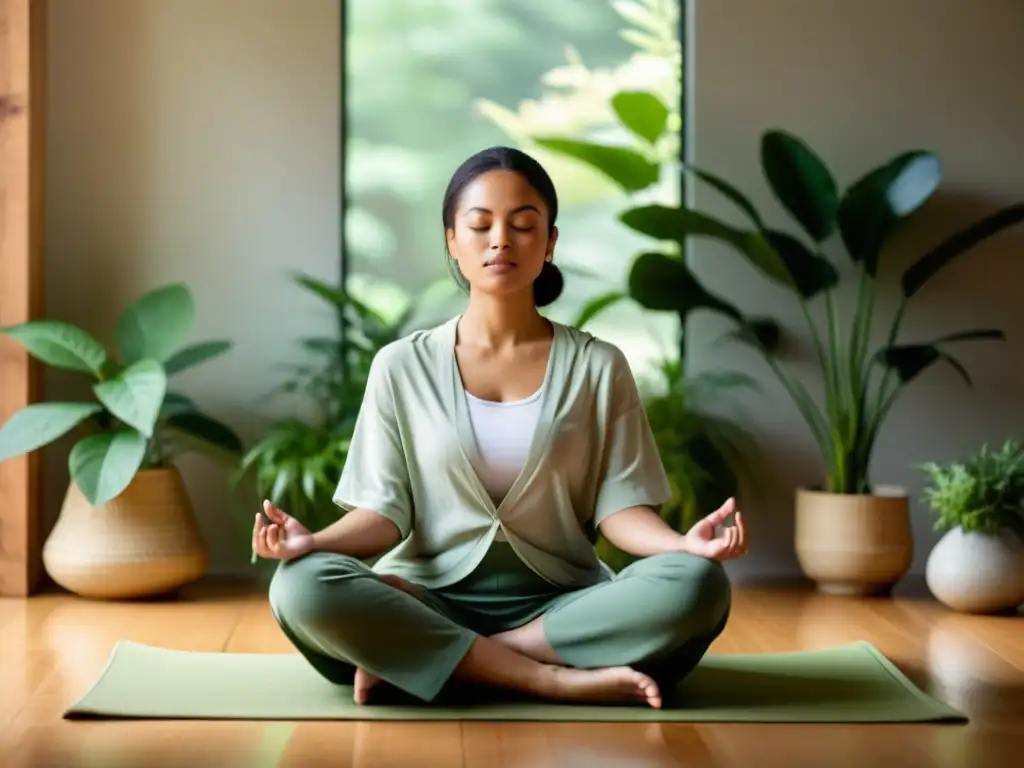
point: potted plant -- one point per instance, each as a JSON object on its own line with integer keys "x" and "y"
{"x": 706, "y": 455}
{"x": 978, "y": 565}
{"x": 852, "y": 536}
{"x": 297, "y": 463}
{"x": 126, "y": 526}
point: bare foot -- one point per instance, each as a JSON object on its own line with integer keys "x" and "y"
{"x": 608, "y": 685}
{"x": 362, "y": 684}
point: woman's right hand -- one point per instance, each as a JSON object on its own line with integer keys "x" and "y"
{"x": 283, "y": 538}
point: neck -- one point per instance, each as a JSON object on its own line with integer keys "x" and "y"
{"x": 496, "y": 323}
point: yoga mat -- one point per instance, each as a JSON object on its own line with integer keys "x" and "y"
{"x": 851, "y": 683}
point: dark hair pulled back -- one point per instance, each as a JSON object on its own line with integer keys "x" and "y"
{"x": 549, "y": 284}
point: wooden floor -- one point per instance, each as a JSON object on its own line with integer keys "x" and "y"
{"x": 52, "y": 647}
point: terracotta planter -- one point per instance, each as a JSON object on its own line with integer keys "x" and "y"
{"x": 851, "y": 544}
{"x": 144, "y": 542}
{"x": 975, "y": 572}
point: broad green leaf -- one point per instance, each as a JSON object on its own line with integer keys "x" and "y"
{"x": 663, "y": 283}
{"x": 809, "y": 273}
{"x": 909, "y": 360}
{"x": 676, "y": 224}
{"x": 135, "y": 395}
{"x": 194, "y": 354}
{"x": 175, "y": 402}
{"x": 157, "y": 325}
{"x": 761, "y": 332}
{"x": 874, "y": 205}
{"x": 627, "y": 168}
{"x": 596, "y": 306}
{"x": 104, "y": 465}
{"x": 801, "y": 182}
{"x": 728, "y": 191}
{"x": 642, "y": 112}
{"x": 38, "y": 424}
{"x": 925, "y": 268}
{"x": 60, "y": 344}
{"x": 205, "y": 428}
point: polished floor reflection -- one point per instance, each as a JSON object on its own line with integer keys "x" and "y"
{"x": 53, "y": 646}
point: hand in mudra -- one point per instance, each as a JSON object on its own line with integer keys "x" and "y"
{"x": 727, "y": 545}
{"x": 283, "y": 538}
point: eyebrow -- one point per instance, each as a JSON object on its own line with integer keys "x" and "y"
{"x": 517, "y": 210}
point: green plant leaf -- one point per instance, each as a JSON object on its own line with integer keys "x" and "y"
{"x": 801, "y": 182}
{"x": 874, "y": 205}
{"x": 629, "y": 169}
{"x": 61, "y": 345}
{"x": 175, "y": 402}
{"x": 760, "y": 332}
{"x": 910, "y": 360}
{"x": 925, "y": 268}
{"x": 157, "y": 325}
{"x": 207, "y": 429}
{"x": 597, "y": 305}
{"x": 39, "y": 424}
{"x": 676, "y": 224}
{"x": 642, "y": 112}
{"x": 664, "y": 283}
{"x": 728, "y": 191}
{"x": 809, "y": 273}
{"x": 104, "y": 465}
{"x": 135, "y": 395}
{"x": 194, "y": 354}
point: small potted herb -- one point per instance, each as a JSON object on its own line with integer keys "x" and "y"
{"x": 978, "y": 565}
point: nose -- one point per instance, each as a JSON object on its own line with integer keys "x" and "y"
{"x": 499, "y": 237}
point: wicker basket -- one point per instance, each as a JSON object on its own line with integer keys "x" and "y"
{"x": 144, "y": 542}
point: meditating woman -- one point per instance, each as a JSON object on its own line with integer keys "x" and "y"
{"x": 488, "y": 452}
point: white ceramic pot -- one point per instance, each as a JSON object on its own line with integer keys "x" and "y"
{"x": 974, "y": 572}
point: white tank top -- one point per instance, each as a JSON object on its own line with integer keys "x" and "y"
{"x": 503, "y": 433}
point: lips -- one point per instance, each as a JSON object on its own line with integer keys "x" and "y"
{"x": 499, "y": 262}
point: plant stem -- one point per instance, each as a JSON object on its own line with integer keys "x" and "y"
{"x": 803, "y": 401}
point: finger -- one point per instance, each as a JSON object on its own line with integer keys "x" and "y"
{"x": 741, "y": 545}
{"x": 719, "y": 515}
{"x": 730, "y": 541}
{"x": 260, "y": 543}
{"x": 273, "y": 512}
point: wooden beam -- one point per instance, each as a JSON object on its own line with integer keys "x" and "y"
{"x": 22, "y": 140}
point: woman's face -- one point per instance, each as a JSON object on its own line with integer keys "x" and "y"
{"x": 500, "y": 237}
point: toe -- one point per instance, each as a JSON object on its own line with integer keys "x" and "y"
{"x": 651, "y": 693}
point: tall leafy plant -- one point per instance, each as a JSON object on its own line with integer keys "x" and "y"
{"x": 135, "y": 421}
{"x": 297, "y": 462}
{"x": 860, "y": 382}
{"x": 705, "y": 454}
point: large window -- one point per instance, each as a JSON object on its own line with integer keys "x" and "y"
{"x": 429, "y": 82}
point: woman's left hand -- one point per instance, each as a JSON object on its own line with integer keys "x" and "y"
{"x": 729, "y": 544}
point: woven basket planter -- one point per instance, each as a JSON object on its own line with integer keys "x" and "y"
{"x": 144, "y": 542}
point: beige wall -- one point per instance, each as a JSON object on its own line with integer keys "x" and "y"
{"x": 197, "y": 140}
{"x": 194, "y": 140}
{"x": 862, "y": 81}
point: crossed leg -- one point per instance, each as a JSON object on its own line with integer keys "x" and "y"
{"x": 345, "y": 618}
{"x": 658, "y": 615}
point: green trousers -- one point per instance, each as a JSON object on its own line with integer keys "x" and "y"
{"x": 658, "y": 615}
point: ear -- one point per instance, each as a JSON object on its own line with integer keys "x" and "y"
{"x": 550, "y": 254}
{"x": 449, "y": 237}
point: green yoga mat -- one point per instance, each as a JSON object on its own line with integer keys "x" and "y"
{"x": 847, "y": 684}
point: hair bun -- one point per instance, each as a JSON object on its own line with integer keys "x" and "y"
{"x": 548, "y": 285}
